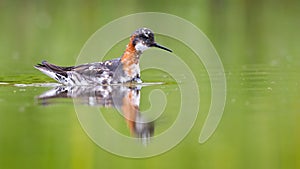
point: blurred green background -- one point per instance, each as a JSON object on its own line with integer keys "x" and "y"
{"x": 258, "y": 43}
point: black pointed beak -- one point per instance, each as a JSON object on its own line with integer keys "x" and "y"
{"x": 161, "y": 47}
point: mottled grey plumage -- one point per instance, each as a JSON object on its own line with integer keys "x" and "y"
{"x": 91, "y": 73}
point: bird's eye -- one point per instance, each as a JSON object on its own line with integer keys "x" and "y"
{"x": 144, "y": 37}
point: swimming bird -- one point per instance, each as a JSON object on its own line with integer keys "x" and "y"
{"x": 120, "y": 70}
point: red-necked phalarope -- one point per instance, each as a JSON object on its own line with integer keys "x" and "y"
{"x": 120, "y": 70}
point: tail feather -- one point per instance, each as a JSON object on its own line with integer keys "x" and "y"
{"x": 53, "y": 71}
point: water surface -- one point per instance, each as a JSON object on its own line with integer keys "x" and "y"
{"x": 259, "y": 123}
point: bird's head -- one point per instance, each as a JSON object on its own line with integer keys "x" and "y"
{"x": 143, "y": 39}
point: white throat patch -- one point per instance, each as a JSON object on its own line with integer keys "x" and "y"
{"x": 141, "y": 47}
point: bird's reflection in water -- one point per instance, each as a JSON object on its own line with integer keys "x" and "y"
{"x": 123, "y": 98}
